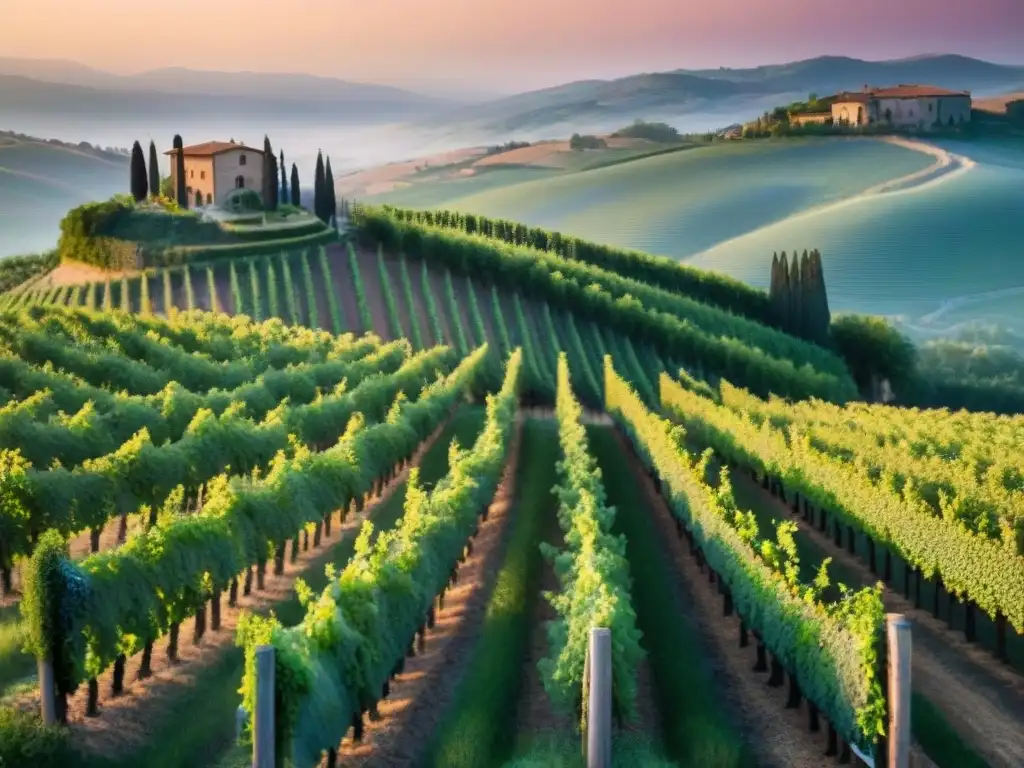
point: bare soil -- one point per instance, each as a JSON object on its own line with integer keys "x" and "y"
{"x": 125, "y": 721}
{"x": 981, "y": 699}
{"x": 424, "y": 692}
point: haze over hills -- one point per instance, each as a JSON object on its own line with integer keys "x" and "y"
{"x": 724, "y": 95}
{"x": 53, "y": 85}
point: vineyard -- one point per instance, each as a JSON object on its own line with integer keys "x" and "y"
{"x": 364, "y": 503}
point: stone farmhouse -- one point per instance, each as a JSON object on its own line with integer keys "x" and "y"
{"x": 904, "y": 106}
{"x": 215, "y": 168}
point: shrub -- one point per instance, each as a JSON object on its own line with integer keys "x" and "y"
{"x": 25, "y": 741}
{"x": 660, "y": 132}
{"x": 873, "y": 349}
{"x": 86, "y": 234}
{"x": 240, "y": 200}
{"x": 15, "y": 270}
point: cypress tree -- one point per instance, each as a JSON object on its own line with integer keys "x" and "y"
{"x": 179, "y": 172}
{"x": 284, "y": 179}
{"x": 272, "y": 187}
{"x": 140, "y": 186}
{"x": 330, "y": 202}
{"x": 807, "y": 302}
{"x": 269, "y": 177}
{"x": 199, "y": 199}
{"x": 296, "y": 196}
{"x": 775, "y": 290}
{"x": 318, "y": 188}
{"x": 795, "y": 305}
{"x": 823, "y": 315}
{"x": 784, "y": 290}
{"x": 154, "y": 170}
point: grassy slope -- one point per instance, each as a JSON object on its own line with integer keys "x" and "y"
{"x": 693, "y": 204}
{"x": 200, "y": 734}
{"x": 475, "y": 732}
{"x": 39, "y": 182}
{"x": 696, "y": 727}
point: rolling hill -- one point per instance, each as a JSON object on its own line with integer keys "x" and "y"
{"x": 40, "y": 180}
{"x": 707, "y": 95}
{"x": 728, "y": 206}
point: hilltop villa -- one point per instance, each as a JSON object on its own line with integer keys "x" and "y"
{"x": 215, "y": 168}
{"x": 904, "y": 106}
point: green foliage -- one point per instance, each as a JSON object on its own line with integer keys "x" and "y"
{"x": 428, "y": 299}
{"x": 136, "y": 592}
{"x": 242, "y": 201}
{"x": 145, "y": 305}
{"x": 211, "y": 289}
{"x": 87, "y": 234}
{"x": 578, "y": 143}
{"x": 15, "y": 270}
{"x": 334, "y": 664}
{"x": 270, "y": 274}
{"x": 237, "y": 297}
{"x": 702, "y": 285}
{"x": 474, "y": 732}
{"x": 190, "y": 294}
{"x": 312, "y": 313}
{"x": 168, "y": 292}
{"x": 394, "y": 320}
{"x": 454, "y": 315}
{"x": 337, "y": 319}
{"x": 831, "y": 649}
{"x": 410, "y": 302}
{"x": 254, "y": 286}
{"x": 873, "y": 349}
{"x": 659, "y": 132}
{"x": 25, "y": 741}
{"x": 592, "y": 570}
{"x": 365, "y": 318}
{"x": 766, "y": 360}
{"x": 290, "y": 299}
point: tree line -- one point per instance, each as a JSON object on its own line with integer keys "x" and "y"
{"x": 798, "y": 297}
{"x": 278, "y": 187}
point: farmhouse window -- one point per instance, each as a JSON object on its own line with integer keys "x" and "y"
{"x": 931, "y": 107}
{"x": 191, "y": 173}
{"x": 241, "y": 159}
{"x": 209, "y": 199}
{"x": 239, "y": 182}
{"x": 202, "y": 174}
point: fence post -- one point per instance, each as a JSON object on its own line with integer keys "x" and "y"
{"x": 263, "y": 717}
{"x": 898, "y": 741}
{"x": 599, "y": 709}
{"x": 46, "y": 691}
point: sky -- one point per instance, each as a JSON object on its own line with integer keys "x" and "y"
{"x": 499, "y": 46}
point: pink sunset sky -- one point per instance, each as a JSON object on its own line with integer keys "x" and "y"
{"x": 504, "y": 46}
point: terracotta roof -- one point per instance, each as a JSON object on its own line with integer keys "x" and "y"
{"x": 898, "y": 92}
{"x": 810, "y": 114}
{"x": 210, "y": 148}
{"x": 914, "y": 92}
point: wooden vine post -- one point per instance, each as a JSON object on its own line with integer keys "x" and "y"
{"x": 599, "y": 703}
{"x": 263, "y": 747}
{"x": 898, "y": 652}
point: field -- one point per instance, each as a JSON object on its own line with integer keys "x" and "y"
{"x": 729, "y": 206}
{"x": 268, "y": 442}
{"x": 40, "y": 181}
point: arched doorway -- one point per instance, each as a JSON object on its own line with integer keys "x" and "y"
{"x": 239, "y": 182}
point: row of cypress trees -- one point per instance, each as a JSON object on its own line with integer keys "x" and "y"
{"x": 798, "y": 297}
{"x": 146, "y": 182}
{"x": 325, "y": 204}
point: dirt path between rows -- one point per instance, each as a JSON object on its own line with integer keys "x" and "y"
{"x": 982, "y": 700}
{"x": 125, "y": 722}
{"x": 424, "y": 692}
{"x": 779, "y": 735}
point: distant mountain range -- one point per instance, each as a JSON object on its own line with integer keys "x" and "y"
{"x": 51, "y": 86}
{"x": 665, "y": 95}
{"x": 54, "y": 85}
